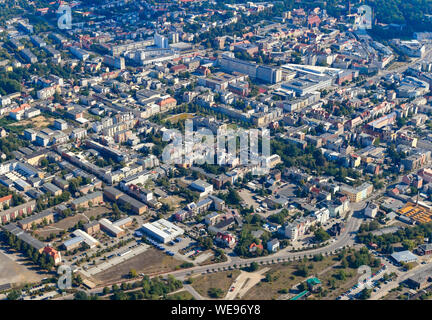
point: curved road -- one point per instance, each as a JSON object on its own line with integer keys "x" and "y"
{"x": 344, "y": 240}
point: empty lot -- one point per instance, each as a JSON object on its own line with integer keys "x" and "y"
{"x": 16, "y": 269}
{"x": 246, "y": 195}
{"x": 149, "y": 262}
{"x": 221, "y": 280}
{"x": 71, "y": 221}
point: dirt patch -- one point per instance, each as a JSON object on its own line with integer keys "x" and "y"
{"x": 149, "y": 262}
{"x": 172, "y": 201}
{"x": 179, "y": 117}
{"x": 71, "y": 221}
{"x": 244, "y": 282}
{"x": 219, "y": 280}
{"x": 15, "y": 268}
{"x": 37, "y": 122}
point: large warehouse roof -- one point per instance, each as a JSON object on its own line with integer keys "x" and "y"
{"x": 404, "y": 256}
{"x": 163, "y": 228}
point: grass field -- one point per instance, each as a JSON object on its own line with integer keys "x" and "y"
{"x": 181, "y": 295}
{"x": 219, "y": 280}
{"x": 285, "y": 276}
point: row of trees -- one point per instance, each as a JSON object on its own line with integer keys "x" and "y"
{"x": 358, "y": 258}
{"x": 147, "y": 288}
{"x": 43, "y": 260}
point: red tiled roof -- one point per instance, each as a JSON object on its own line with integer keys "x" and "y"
{"x": 5, "y": 198}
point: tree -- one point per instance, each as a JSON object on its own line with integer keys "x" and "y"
{"x": 206, "y": 242}
{"x": 365, "y": 294}
{"x": 132, "y": 273}
{"x": 302, "y": 286}
{"x": 13, "y": 295}
{"x": 268, "y": 277}
{"x": 344, "y": 263}
{"x": 342, "y": 275}
{"x": 318, "y": 257}
{"x": 44, "y": 162}
{"x": 233, "y": 197}
{"x": 302, "y": 271}
{"x": 81, "y": 295}
{"x": 215, "y": 293}
{"x": 321, "y": 235}
{"x": 253, "y": 266}
{"x": 408, "y": 244}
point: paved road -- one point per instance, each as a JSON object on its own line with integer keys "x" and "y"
{"x": 244, "y": 282}
{"x": 344, "y": 240}
{"x": 194, "y": 293}
{"x": 401, "y": 277}
{"x": 404, "y": 67}
{"x": 115, "y": 260}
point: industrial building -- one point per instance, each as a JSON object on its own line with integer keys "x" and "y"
{"x": 420, "y": 280}
{"x": 404, "y": 257}
{"x": 202, "y": 186}
{"x": 418, "y": 212}
{"x": 80, "y": 237}
{"x": 162, "y": 230}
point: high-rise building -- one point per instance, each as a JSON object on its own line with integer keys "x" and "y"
{"x": 160, "y": 41}
{"x": 174, "y": 37}
{"x": 116, "y": 62}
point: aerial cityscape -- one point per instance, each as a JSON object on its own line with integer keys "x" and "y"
{"x": 218, "y": 150}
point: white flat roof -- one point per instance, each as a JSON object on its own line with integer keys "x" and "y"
{"x": 110, "y": 226}
{"x": 87, "y": 238}
{"x": 163, "y": 228}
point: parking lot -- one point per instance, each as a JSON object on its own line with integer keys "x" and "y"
{"x": 372, "y": 282}
{"x": 118, "y": 257}
{"x": 247, "y": 197}
{"x": 174, "y": 247}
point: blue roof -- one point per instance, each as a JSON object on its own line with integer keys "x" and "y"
{"x": 73, "y": 241}
{"x": 204, "y": 202}
{"x": 300, "y": 295}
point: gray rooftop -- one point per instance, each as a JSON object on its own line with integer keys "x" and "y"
{"x": 404, "y": 256}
